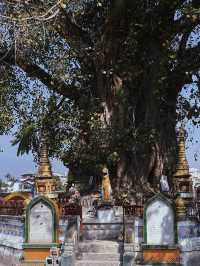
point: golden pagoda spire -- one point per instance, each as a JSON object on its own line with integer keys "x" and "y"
{"x": 182, "y": 167}
{"x": 182, "y": 183}
{"x": 44, "y": 169}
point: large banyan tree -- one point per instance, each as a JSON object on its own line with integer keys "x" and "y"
{"x": 113, "y": 71}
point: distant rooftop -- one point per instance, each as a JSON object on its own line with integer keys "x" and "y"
{"x": 194, "y": 172}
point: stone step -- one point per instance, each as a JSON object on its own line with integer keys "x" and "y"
{"x": 102, "y": 226}
{"x": 99, "y": 234}
{"x": 100, "y": 246}
{"x": 97, "y": 263}
{"x": 99, "y": 256}
{"x": 100, "y": 231}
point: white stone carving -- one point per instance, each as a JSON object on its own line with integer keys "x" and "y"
{"x": 160, "y": 223}
{"x": 41, "y": 224}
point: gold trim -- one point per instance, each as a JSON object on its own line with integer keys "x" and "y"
{"x": 44, "y": 169}
{"x": 16, "y": 194}
{"x": 182, "y": 167}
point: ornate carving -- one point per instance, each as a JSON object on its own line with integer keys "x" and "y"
{"x": 45, "y": 183}
{"x": 181, "y": 177}
{"x": 180, "y": 208}
{"x": 182, "y": 168}
{"x": 44, "y": 169}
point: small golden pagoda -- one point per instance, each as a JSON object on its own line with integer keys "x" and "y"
{"x": 44, "y": 169}
{"x": 182, "y": 183}
{"x": 181, "y": 178}
{"x": 45, "y": 183}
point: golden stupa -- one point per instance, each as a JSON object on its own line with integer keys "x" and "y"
{"x": 182, "y": 167}
{"x": 45, "y": 183}
{"x": 44, "y": 169}
{"x": 181, "y": 177}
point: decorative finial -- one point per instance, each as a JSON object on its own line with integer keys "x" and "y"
{"x": 182, "y": 167}
{"x": 44, "y": 169}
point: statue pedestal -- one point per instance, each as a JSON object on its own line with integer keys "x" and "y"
{"x": 160, "y": 243}
{"x": 105, "y": 215}
{"x": 105, "y": 225}
{"x": 189, "y": 242}
{"x": 105, "y": 212}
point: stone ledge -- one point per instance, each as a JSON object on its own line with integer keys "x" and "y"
{"x": 165, "y": 247}
{"x": 37, "y": 245}
{"x": 160, "y": 264}
{"x": 31, "y": 264}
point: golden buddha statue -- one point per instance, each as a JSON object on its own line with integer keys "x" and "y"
{"x": 106, "y": 186}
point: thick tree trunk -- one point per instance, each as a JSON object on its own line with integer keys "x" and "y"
{"x": 145, "y": 147}
{"x": 138, "y": 107}
{"x": 142, "y": 128}
{"x": 134, "y": 102}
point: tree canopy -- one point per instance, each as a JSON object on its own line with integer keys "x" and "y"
{"x": 103, "y": 79}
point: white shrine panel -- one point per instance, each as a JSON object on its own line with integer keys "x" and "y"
{"x": 159, "y": 223}
{"x": 41, "y": 224}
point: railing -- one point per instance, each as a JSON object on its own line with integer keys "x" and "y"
{"x": 14, "y": 208}
{"x": 133, "y": 210}
{"x": 66, "y": 210}
{"x": 63, "y": 198}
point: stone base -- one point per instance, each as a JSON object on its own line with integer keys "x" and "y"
{"x": 67, "y": 260}
{"x": 10, "y": 256}
{"x": 68, "y": 256}
{"x": 187, "y": 229}
{"x": 31, "y": 263}
{"x": 100, "y": 231}
{"x": 161, "y": 255}
{"x": 99, "y": 253}
{"x": 105, "y": 212}
{"x": 128, "y": 255}
{"x": 190, "y": 251}
{"x": 37, "y": 252}
{"x": 162, "y": 264}
{"x": 105, "y": 215}
{"x": 189, "y": 242}
{"x": 92, "y": 229}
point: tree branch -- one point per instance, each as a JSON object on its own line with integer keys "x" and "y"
{"x": 69, "y": 29}
{"x": 185, "y": 22}
{"x": 190, "y": 59}
{"x": 33, "y": 70}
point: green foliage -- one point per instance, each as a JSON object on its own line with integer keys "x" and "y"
{"x": 59, "y": 186}
{"x": 9, "y": 89}
{"x": 25, "y": 139}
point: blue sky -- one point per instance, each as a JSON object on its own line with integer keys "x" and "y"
{"x": 10, "y": 163}
{"x": 193, "y": 147}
